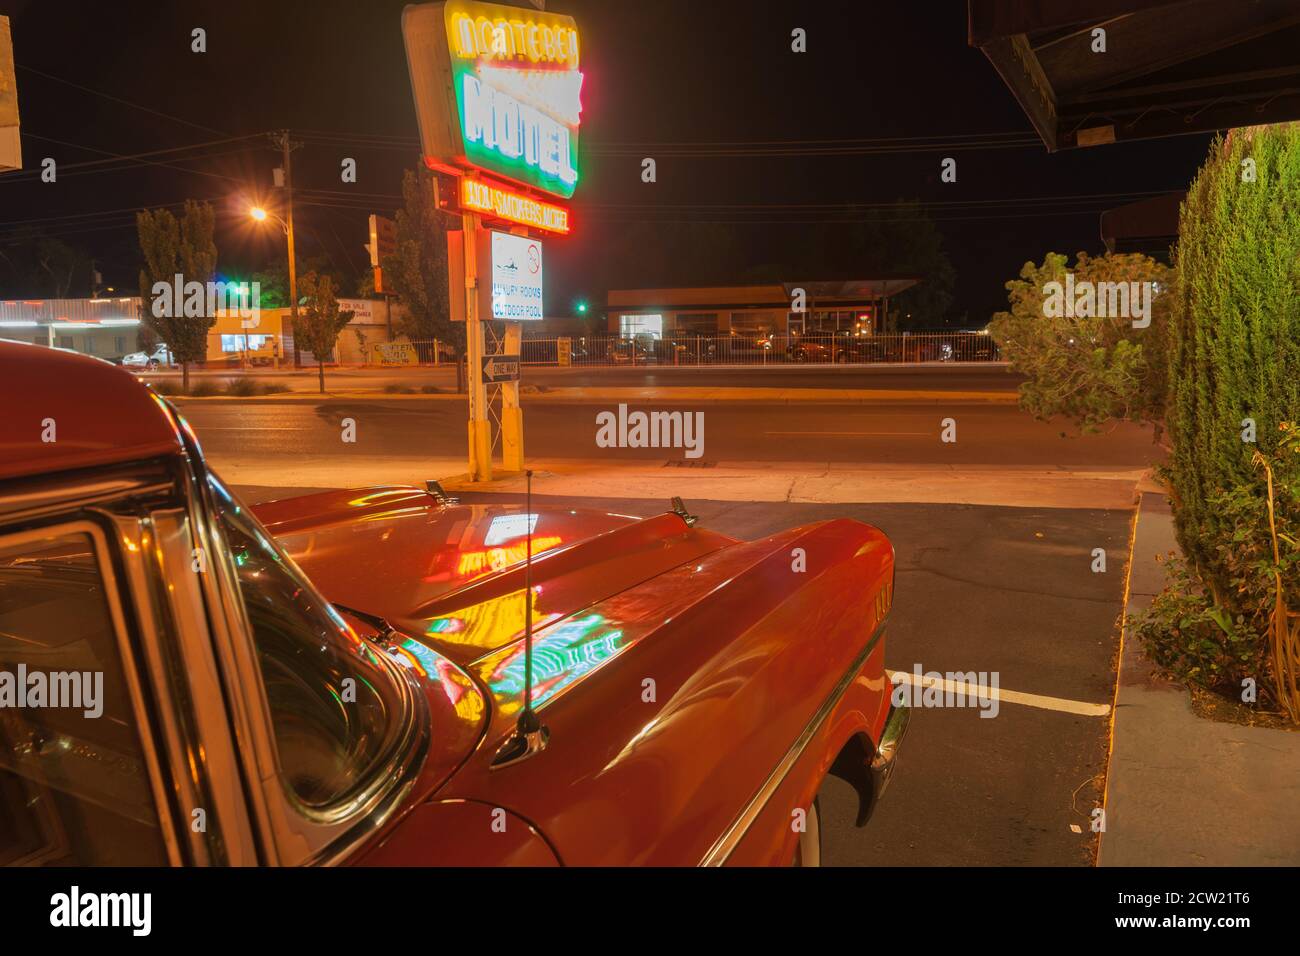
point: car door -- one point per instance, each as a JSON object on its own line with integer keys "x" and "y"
{"x": 114, "y": 746}
{"x": 78, "y": 785}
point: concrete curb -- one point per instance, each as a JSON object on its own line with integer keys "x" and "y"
{"x": 1181, "y": 790}
{"x": 814, "y": 482}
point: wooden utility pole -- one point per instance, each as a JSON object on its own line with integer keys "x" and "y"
{"x": 282, "y": 140}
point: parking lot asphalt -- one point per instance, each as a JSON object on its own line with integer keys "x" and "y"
{"x": 979, "y": 588}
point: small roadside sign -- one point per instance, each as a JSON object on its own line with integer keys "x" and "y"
{"x": 500, "y": 368}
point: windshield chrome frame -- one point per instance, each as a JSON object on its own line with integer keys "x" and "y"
{"x": 292, "y": 832}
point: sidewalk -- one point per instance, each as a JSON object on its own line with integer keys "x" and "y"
{"x": 825, "y": 482}
{"x": 1181, "y": 790}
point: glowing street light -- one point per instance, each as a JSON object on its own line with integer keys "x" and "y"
{"x": 259, "y": 214}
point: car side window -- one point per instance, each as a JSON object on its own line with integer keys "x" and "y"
{"x": 337, "y": 711}
{"x": 74, "y": 782}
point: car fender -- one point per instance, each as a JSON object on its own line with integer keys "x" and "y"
{"x": 461, "y": 833}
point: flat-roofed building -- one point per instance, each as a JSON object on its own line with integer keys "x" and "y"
{"x": 105, "y": 327}
{"x": 854, "y": 305}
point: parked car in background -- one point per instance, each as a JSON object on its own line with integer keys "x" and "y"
{"x": 975, "y": 348}
{"x": 633, "y": 351}
{"x": 339, "y": 678}
{"x": 158, "y": 358}
{"x": 686, "y": 348}
{"x": 840, "y": 348}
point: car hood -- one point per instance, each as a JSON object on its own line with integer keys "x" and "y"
{"x": 452, "y": 576}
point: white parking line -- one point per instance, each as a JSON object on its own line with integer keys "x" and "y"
{"x": 1009, "y": 696}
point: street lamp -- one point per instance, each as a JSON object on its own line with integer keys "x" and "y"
{"x": 261, "y": 215}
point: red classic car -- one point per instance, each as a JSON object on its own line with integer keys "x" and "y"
{"x": 339, "y": 678}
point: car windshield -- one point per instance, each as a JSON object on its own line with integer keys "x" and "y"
{"x": 338, "y": 711}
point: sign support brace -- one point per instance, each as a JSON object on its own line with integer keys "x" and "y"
{"x": 480, "y": 429}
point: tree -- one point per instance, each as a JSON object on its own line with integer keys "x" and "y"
{"x": 273, "y": 283}
{"x": 319, "y": 320}
{"x": 175, "y": 248}
{"x": 417, "y": 269}
{"x": 40, "y": 265}
{"x": 1235, "y": 343}
{"x": 1087, "y": 368}
{"x": 904, "y": 241}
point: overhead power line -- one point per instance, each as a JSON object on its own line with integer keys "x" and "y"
{"x": 118, "y": 99}
{"x": 120, "y": 161}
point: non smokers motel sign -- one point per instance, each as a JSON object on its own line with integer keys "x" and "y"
{"x": 497, "y": 88}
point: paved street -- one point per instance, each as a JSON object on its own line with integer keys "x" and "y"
{"x": 890, "y": 433}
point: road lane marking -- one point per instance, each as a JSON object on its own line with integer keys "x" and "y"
{"x": 851, "y": 434}
{"x": 1001, "y": 694}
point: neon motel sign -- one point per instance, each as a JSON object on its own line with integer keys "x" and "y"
{"x": 494, "y": 200}
{"x": 516, "y": 86}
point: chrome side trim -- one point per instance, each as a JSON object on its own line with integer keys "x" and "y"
{"x": 726, "y": 843}
{"x": 61, "y": 497}
{"x": 886, "y": 757}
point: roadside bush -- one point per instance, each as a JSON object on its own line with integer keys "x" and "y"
{"x": 238, "y": 387}
{"x": 1088, "y": 369}
{"x": 1226, "y": 340}
{"x": 1235, "y": 337}
{"x": 251, "y": 386}
{"x": 1194, "y": 641}
{"x": 1220, "y": 643}
{"x": 1234, "y": 396}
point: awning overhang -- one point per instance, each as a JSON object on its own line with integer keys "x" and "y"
{"x": 1170, "y": 66}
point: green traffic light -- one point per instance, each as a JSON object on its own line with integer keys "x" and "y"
{"x": 582, "y": 307}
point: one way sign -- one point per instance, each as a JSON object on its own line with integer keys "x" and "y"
{"x": 500, "y": 368}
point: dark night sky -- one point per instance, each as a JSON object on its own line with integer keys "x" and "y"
{"x": 668, "y": 71}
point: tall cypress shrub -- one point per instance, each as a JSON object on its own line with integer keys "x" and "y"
{"x": 1235, "y": 332}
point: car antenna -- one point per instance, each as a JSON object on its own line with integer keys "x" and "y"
{"x": 530, "y": 735}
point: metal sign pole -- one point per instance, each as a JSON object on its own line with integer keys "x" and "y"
{"x": 512, "y": 414}
{"x": 480, "y": 429}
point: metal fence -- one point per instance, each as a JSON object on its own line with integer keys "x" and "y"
{"x": 267, "y": 352}
{"x": 759, "y": 350}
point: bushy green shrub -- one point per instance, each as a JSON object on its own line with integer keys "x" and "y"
{"x": 1218, "y": 643}
{"x": 1088, "y": 369}
{"x": 1230, "y": 353}
{"x": 1235, "y": 337}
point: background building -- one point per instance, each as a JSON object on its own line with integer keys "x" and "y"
{"x": 854, "y": 305}
{"x": 110, "y": 328}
